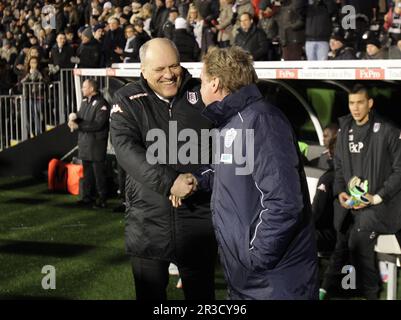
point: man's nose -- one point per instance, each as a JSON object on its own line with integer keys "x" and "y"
{"x": 168, "y": 73}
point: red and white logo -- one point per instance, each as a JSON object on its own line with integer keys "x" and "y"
{"x": 287, "y": 73}
{"x": 369, "y": 74}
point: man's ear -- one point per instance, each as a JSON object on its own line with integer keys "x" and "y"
{"x": 370, "y": 103}
{"x": 215, "y": 85}
{"x": 143, "y": 70}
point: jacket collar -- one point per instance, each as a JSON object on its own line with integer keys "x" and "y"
{"x": 220, "y": 112}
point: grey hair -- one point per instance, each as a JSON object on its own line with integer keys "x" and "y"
{"x": 144, "y": 48}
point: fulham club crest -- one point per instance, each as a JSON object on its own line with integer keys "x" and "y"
{"x": 192, "y": 97}
{"x": 376, "y": 127}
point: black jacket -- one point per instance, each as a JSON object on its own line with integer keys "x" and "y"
{"x": 318, "y": 20}
{"x": 89, "y": 54}
{"x": 154, "y": 229}
{"x": 159, "y": 17}
{"x": 186, "y": 45}
{"x": 93, "y": 128}
{"x": 322, "y": 205}
{"x": 253, "y": 41}
{"x": 62, "y": 58}
{"x": 112, "y": 40}
{"x": 134, "y": 46}
{"x": 344, "y": 53}
{"x": 291, "y": 22}
{"x": 383, "y": 171}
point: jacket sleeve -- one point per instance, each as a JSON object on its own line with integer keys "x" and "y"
{"x": 101, "y": 118}
{"x": 393, "y": 183}
{"x": 205, "y": 176}
{"x": 261, "y": 53}
{"x": 340, "y": 185}
{"x": 276, "y": 176}
{"x": 322, "y": 197}
{"x": 127, "y": 141}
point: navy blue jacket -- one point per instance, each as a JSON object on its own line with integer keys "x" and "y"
{"x": 262, "y": 215}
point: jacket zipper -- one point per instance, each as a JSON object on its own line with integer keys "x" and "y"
{"x": 170, "y": 110}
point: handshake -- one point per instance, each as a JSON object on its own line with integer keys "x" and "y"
{"x": 184, "y": 186}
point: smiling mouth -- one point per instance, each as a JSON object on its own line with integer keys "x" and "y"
{"x": 169, "y": 83}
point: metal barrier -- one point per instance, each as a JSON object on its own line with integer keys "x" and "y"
{"x": 11, "y": 121}
{"x": 42, "y": 106}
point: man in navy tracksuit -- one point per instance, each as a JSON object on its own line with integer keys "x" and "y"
{"x": 260, "y": 206}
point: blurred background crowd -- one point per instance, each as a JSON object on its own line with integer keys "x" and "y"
{"x": 38, "y": 38}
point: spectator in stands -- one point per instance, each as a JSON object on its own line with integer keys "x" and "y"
{"x": 240, "y": 7}
{"x": 209, "y": 12}
{"x": 107, "y": 12}
{"x": 156, "y": 233}
{"x": 146, "y": 16}
{"x": 268, "y": 23}
{"x": 322, "y": 206}
{"x": 61, "y": 20}
{"x": 365, "y": 142}
{"x": 318, "y": 28}
{"x": 224, "y": 26}
{"x": 339, "y": 51}
{"x": 5, "y": 76}
{"x": 135, "y": 39}
{"x": 89, "y": 51}
{"x": 291, "y": 27}
{"x": 395, "y": 51}
{"x": 113, "y": 39}
{"x": 185, "y": 42}
{"x": 183, "y": 7}
{"x": 35, "y": 90}
{"x": 392, "y": 22}
{"x": 251, "y": 38}
{"x": 136, "y": 11}
{"x": 8, "y": 52}
{"x": 92, "y": 124}
{"x": 195, "y": 23}
{"x": 60, "y": 56}
{"x": 124, "y": 20}
{"x": 35, "y": 52}
{"x": 169, "y": 25}
{"x": 159, "y": 17}
{"x": 98, "y": 33}
{"x": 71, "y": 39}
{"x": 374, "y": 50}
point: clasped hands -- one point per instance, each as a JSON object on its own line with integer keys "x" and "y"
{"x": 184, "y": 186}
{"x": 71, "y": 122}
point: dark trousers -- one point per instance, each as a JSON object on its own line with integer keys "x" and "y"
{"x": 152, "y": 278}
{"x": 121, "y": 176}
{"x": 292, "y": 51}
{"x": 355, "y": 247}
{"x": 94, "y": 179}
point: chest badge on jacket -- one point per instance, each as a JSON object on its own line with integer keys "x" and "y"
{"x": 230, "y": 137}
{"x": 192, "y": 97}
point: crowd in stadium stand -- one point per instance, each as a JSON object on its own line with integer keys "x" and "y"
{"x": 37, "y": 38}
